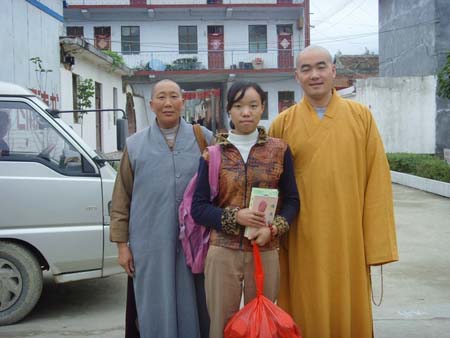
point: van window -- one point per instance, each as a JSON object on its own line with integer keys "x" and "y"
{"x": 27, "y": 136}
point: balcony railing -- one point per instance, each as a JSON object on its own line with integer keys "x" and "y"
{"x": 211, "y": 60}
{"x": 172, "y": 2}
{"x": 97, "y": 2}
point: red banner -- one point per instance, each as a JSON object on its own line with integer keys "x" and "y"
{"x": 201, "y": 95}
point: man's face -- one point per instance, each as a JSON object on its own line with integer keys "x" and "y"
{"x": 315, "y": 73}
{"x": 167, "y": 103}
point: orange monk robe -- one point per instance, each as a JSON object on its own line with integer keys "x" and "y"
{"x": 346, "y": 221}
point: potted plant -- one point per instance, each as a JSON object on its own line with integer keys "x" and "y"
{"x": 258, "y": 63}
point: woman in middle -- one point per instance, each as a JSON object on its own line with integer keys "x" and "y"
{"x": 249, "y": 158}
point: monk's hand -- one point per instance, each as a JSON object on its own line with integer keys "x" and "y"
{"x": 126, "y": 258}
{"x": 251, "y": 218}
{"x": 261, "y": 236}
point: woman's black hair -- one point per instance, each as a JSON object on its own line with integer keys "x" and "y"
{"x": 240, "y": 87}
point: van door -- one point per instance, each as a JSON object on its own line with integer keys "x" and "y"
{"x": 51, "y": 191}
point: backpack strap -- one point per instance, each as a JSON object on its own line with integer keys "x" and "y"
{"x": 215, "y": 158}
{"x": 201, "y": 140}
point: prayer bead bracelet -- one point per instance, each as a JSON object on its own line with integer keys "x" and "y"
{"x": 272, "y": 232}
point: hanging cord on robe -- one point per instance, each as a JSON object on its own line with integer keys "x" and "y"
{"x": 382, "y": 289}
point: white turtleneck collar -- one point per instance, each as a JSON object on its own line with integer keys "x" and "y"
{"x": 243, "y": 142}
{"x": 170, "y": 135}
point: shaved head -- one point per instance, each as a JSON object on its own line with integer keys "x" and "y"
{"x": 314, "y": 48}
{"x": 164, "y": 81}
{"x": 167, "y": 103}
{"x": 315, "y": 73}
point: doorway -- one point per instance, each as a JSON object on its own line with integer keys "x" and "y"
{"x": 215, "y": 47}
{"x": 285, "y": 52}
{"x": 285, "y": 100}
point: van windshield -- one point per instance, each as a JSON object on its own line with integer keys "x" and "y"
{"x": 28, "y": 136}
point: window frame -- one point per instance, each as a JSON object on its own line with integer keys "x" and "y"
{"x": 97, "y": 36}
{"x": 80, "y": 28}
{"x": 134, "y": 44}
{"x": 190, "y": 45}
{"x": 258, "y": 45}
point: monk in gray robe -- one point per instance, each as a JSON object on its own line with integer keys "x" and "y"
{"x": 156, "y": 167}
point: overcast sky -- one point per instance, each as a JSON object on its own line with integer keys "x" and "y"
{"x": 350, "y": 26}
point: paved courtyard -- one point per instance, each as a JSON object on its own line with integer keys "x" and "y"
{"x": 417, "y": 288}
{"x": 416, "y": 301}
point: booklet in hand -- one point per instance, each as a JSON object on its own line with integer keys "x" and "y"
{"x": 265, "y": 200}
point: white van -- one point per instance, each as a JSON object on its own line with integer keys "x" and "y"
{"x": 55, "y": 194}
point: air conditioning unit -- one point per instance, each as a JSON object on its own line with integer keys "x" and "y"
{"x": 69, "y": 60}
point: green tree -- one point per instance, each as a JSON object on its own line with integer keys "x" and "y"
{"x": 85, "y": 92}
{"x": 444, "y": 80}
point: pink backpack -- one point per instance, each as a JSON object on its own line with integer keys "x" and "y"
{"x": 194, "y": 237}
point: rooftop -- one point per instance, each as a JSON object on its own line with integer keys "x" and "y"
{"x": 356, "y": 64}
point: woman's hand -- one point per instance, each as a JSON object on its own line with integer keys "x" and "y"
{"x": 262, "y": 236}
{"x": 251, "y": 218}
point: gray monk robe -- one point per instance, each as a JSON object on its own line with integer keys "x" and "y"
{"x": 163, "y": 284}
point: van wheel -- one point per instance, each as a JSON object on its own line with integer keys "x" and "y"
{"x": 20, "y": 282}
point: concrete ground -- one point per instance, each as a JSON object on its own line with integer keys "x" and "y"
{"x": 416, "y": 299}
{"x": 416, "y": 302}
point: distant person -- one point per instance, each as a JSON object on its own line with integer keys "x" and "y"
{"x": 156, "y": 167}
{"x": 346, "y": 222}
{"x": 249, "y": 159}
{"x": 201, "y": 120}
{"x": 5, "y": 124}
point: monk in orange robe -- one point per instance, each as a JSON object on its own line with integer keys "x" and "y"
{"x": 346, "y": 222}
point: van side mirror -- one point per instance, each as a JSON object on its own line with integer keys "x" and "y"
{"x": 122, "y": 133}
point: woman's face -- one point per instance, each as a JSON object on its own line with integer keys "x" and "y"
{"x": 246, "y": 112}
{"x": 167, "y": 103}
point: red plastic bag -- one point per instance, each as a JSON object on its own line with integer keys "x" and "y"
{"x": 261, "y": 318}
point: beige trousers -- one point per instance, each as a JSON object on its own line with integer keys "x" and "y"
{"x": 228, "y": 273}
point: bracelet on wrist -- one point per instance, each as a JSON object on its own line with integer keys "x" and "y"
{"x": 272, "y": 232}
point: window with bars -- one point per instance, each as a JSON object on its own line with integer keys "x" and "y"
{"x": 102, "y": 38}
{"x": 74, "y": 31}
{"x": 130, "y": 39}
{"x": 257, "y": 39}
{"x": 187, "y": 39}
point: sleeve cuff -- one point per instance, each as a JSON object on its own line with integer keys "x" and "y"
{"x": 281, "y": 224}
{"x": 119, "y": 239}
{"x": 116, "y": 235}
{"x": 228, "y": 220}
